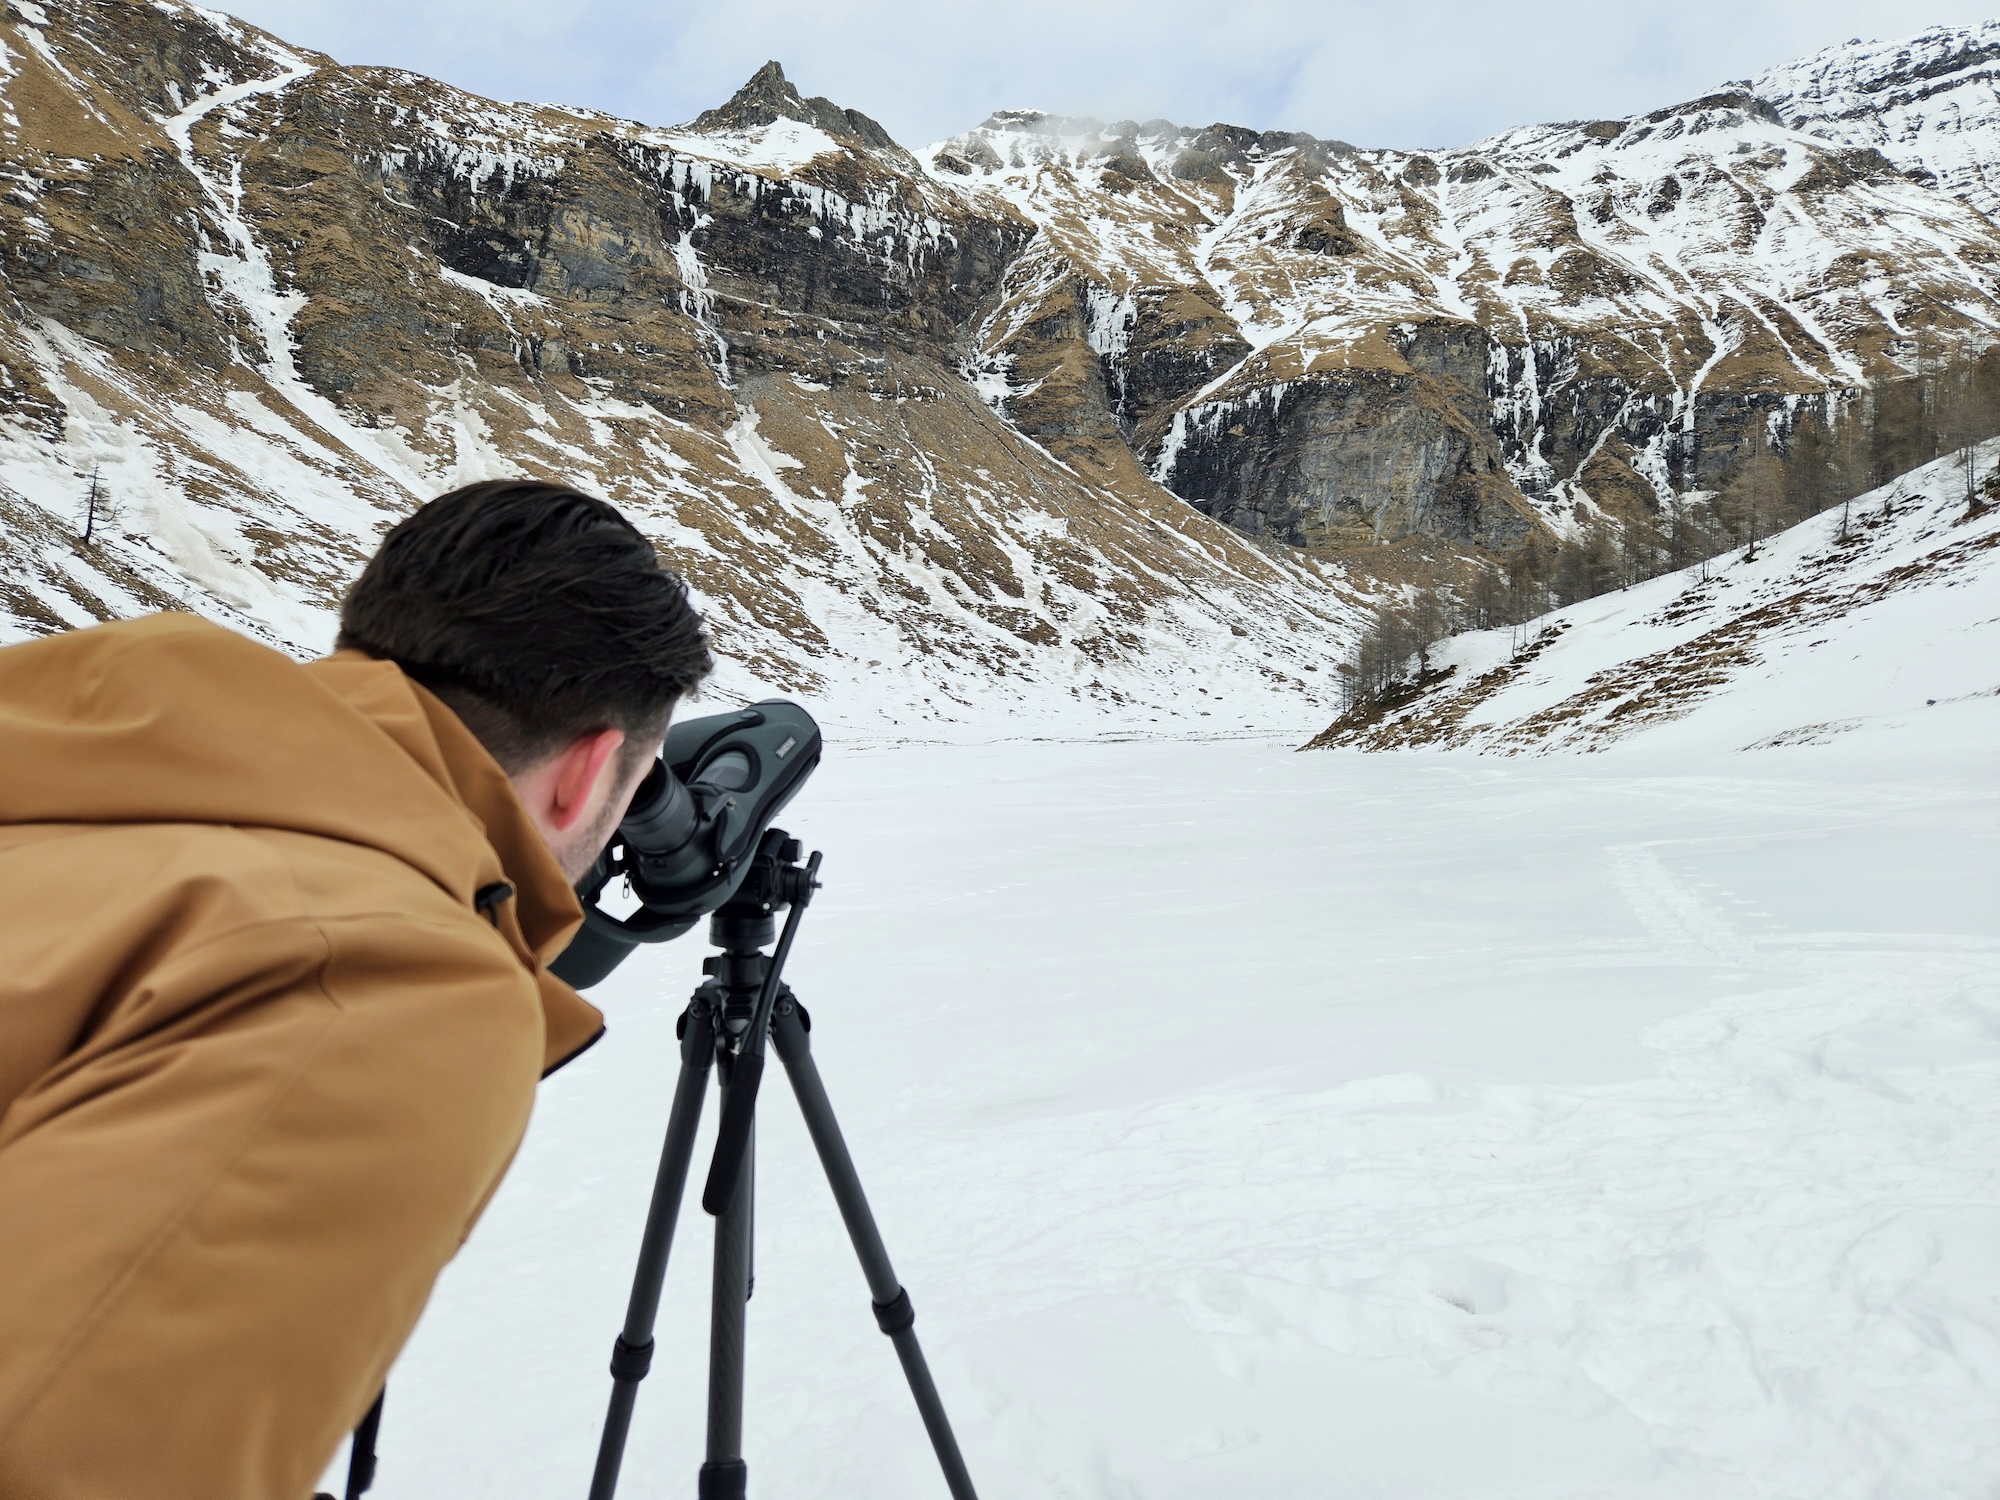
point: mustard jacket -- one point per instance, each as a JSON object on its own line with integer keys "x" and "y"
{"x": 263, "y": 1057}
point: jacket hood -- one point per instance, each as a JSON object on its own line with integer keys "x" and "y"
{"x": 171, "y": 719}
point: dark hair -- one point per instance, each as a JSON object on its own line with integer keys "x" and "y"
{"x": 537, "y": 613}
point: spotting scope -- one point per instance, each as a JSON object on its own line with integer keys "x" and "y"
{"x": 690, "y": 835}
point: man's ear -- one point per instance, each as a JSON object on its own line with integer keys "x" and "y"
{"x": 578, "y": 769}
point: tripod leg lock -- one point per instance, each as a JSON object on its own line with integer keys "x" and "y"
{"x": 630, "y": 1361}
{"x": 723, "y": 1479}
{"x": 895, "y": 1316}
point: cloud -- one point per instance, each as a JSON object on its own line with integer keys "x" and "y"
{"x": 1374, "y": 72}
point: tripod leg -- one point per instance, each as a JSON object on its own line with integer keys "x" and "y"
{"x": 632, "y": 1352}
{"x": 893, "y": 1313}
{"x": 361, "y": 1461}
{"x": 724, "y": 1475}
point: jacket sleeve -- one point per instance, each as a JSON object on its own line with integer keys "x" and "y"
{"x": 222, "y": 1214}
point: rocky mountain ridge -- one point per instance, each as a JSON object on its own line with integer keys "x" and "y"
{"x": 1930, "y": 104}
{"x": 1338, "y": 345}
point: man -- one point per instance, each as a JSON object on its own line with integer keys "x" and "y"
{"x": 273, "y": 995}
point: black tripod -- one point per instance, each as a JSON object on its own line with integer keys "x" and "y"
{"x": 739, "y": 1005}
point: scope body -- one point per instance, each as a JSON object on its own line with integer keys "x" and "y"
{"x": 692, "y": 829}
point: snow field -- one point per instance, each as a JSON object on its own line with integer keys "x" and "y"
{"x": 1318, "y": 1125}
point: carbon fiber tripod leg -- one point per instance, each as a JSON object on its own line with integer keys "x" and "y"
{"x": 724, "y": 1475}
{"x": 632, "y": 1351}
{"x": 893, "y": 1313}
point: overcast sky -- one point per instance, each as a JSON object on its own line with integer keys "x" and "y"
{"x": 1373, "y": 72}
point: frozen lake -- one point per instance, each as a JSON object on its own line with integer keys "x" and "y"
{"x": 1251, "y": 1123}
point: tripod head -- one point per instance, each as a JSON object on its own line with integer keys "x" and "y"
{"x": 744, "y": 985}
{"x": 775, "y": 880}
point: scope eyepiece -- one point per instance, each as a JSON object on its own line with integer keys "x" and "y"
{"x": 691, "y": 831}
{"x": 662, "y": 816}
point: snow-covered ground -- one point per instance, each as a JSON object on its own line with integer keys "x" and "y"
{"x": 1251, "y": 1123}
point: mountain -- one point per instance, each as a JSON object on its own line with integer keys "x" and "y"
{"x": 1057, "y": 426}
{"x": 1882, "y": 613}
{"x": 1930, "y": 104}
{"x": 264, "y": 304}
{"x": 1328, "y": 344}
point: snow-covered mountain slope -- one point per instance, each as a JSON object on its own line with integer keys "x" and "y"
{"x": 1886, "y": 613}
{"x": 1341, "y": 345}
{"x": 270, "y": 303}
{"x": 1930, "y": 104}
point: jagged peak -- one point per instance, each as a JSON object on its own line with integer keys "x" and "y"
{"x": 1730, "y": 98}
{"x": 1041, "y": 122}
{"x": 770, "y": 96}
{"x": 1861, "y": 67}
{"x": 1133, "y": 149}
{"x": 1868, "y": 64}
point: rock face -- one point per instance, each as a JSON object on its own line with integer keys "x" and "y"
{"x": 271, "y": 303}
{"x": 1324, "y": 344}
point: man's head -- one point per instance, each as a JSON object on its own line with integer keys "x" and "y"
{"x": 547, "y": 623}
